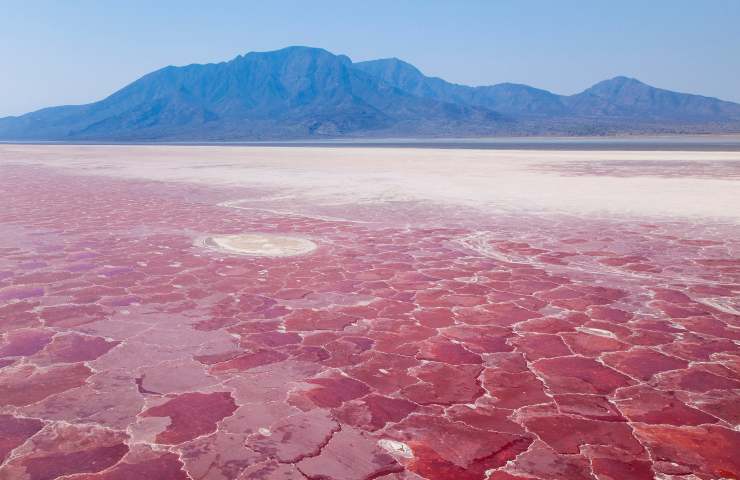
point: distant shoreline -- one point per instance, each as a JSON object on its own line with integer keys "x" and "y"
{"x": 695, "y": 142}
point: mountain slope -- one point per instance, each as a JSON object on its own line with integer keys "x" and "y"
{"x": 302, "y": 92}
{"x": 507, "y": 98}
{"x": 619, "y": 97}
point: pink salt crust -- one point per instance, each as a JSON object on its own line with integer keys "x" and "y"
{"x": 550, "y": 347}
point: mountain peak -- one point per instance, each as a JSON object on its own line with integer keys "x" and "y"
{"x": 395, "y": 63}
{"x": 622, "y": 80}
{"x": 293, "y": 50}
{"x": 616, "y": 85}
{"x": 297, "y": 51}
{"x": 391, "y": 69}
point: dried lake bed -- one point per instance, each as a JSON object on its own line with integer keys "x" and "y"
{"x": 209, "y": 312}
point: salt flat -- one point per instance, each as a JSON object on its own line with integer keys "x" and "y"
{"x": 368, "y": 313}
{"x": 631, "y": 182}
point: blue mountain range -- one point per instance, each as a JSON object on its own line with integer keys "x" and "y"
{"x": 305, "y": 93}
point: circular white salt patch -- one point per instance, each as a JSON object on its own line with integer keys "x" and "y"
{"x": 259, "y": 244}
{"x": 396, "y": 448}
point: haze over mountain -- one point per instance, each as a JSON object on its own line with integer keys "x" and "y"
{"x": 303, "y": 93}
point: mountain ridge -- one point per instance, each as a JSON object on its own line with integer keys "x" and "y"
{"x": 305, "y": 92}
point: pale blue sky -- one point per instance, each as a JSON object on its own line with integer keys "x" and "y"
{"x": 61, "y": 52}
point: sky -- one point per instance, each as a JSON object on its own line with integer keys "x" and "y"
{"x": 78, "y": 51}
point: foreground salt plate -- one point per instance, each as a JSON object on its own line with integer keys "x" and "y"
{"x": 260, "y": 245}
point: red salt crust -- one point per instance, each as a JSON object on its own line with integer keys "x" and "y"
{"x": 514, "y": 389}
{"x": 429, "y": 464}
{"x": 191, "y": 415}
{"x": 723, "y": 405}
{"x": 700, "y": 243}
{"x": 566, "y": 434}
{"x": 618, "y": 469}
{"x": 388, "y": 331}
{"x": 464, "y": 300}
{"x": 643, "y": 363}
{"x": 621, "y": 332}
{"x": 166, "y": 466}
{"x": 699, "y": 350}
{"x": 671, "y": 296}
{"x": 698, "y": 379}
{"x": 444, "y": 384}
{"x": 608, "y": 314}
{"x": 20, "y": 293}
{"x": 18, "y": 315}
{"x": 447, "y": 450}
{"x": 63, "y": 450}
{"x": 71, "y": 315}
{"x": 76, "y": 348}
{"x": 546, "y": 325}
{"x": 333, "y": 391}
{"x": 216, "y": 358}
{"x": 14, "y": 432}
{"x": 657, "y": 326}
{"x": 269, "y": 469}
{"x": 485, "y": 418}
{"x": 710, "y": 326}
{"x": 309, "y": 354}
{"x": 349, "y": 455}
{"x": 649, "y": 339}
{"x": 684, "y": 311}
{"x": 719, "y": 290}
{"x": 317, "y": 320}
{"x": 646, "y": 405}
{"x": 384, "y": 373}
{"x": 24, "y": 385}
{"x": 541, "y": 462}
{"x": 93, "y": 459}
{"x": 589, "y": 406}
{"x": 24, "y": 342}
{"x": 536, "y": 346}
{"x": 499, "y": 475}
{"x": 503, "y": 314}
{"x": 296, "y": 437}
{"x": 272, "y": 339}
{"x": 447, "y": 352}
{"x": 374, "y": 411}
{"x": 340, "y": 353}
{"x": 435, "y": 317}
{"x": 223, "y": 454}
{"x": 708, "y": 452}
{"x": 250, "y": 360}
{"x": 590, "y": 345}
{"x": 580, "y": 375}
{"x": 621, "y": 261}
{"x": 481, "y": 339}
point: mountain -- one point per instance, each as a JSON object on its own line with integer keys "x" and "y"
{"x": 628, "y": 97}
{"x": 509, "y": 98}
{"x": 294, "y": 92}
{"x": 302, "y": 92}
{"x": 609, "y": 100}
